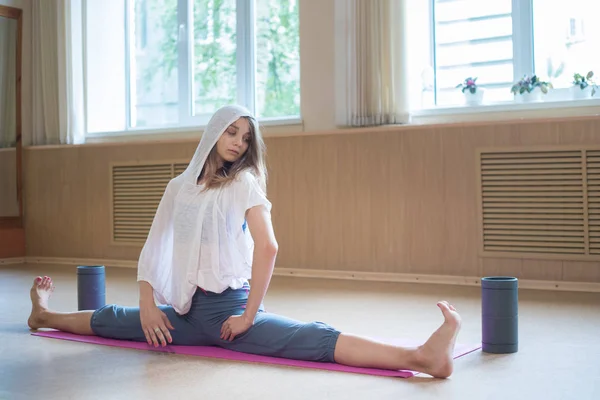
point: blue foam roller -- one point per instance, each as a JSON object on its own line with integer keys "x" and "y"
{"x": 91, "y": 287}
{"x": 500, "y": 314}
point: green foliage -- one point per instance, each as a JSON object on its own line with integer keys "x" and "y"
{"x": 214, "y": 61}
{"x": 529, "y": 83}
{"x": 277, "y": 58}
{"x": 585, "y": 81}
{"x": 469, "y": 84}
{"x": 167, "y": 61}
{"x": 214, "y": 64}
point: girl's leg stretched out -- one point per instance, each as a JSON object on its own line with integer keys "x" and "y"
{"x": 279, "y": 336}
{"x": 435, "y": 357}
{"x": 110, "y": 321}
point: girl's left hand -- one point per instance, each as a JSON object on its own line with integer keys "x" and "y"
{"x": 235, "y": 325}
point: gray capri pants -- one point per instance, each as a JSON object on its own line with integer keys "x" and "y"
{"x": 271, "y": 335}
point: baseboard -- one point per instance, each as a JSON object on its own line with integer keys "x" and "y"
{"x": 352, "y": 275}
{"x": 379, "y": 276}
{"x": 9, "y": 261}
{"x": 82, "y": 261}
{"x": 434, "y": 279}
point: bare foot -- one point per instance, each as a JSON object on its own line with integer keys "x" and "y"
{"x": 40, "y": 293}
{"x": 436, "y": 356}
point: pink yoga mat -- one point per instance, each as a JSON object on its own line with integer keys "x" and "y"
{"x": 217, "y": 352}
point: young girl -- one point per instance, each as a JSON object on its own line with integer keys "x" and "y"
{"x": 211, "y": 234}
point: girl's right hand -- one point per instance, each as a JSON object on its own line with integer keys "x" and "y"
{"x": 155, "y": 325}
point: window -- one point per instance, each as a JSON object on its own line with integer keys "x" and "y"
{"x": 500, "y": 41}
{"x": 171, "y": 63}
{"x": 566, "y": 39}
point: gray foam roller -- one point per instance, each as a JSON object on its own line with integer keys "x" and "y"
{"x": 91, "y": 287}
{"x": 500, "y": 314}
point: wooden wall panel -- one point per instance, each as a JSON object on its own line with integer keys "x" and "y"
{"x": 460, "y": 201}
{"x": 67, "y": 197}
{"x": 549, "y": 269}
{"x": 577, "y": 271}
{"x": 12, "y": 242}
{"x": 383, "y": 200}
{"x": 501, "y": 267}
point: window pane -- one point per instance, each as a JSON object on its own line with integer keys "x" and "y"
{"x": 153, "y": 64}
{"x": 459, "y": 54}
{"x": 214, "y": 62}
{"x": 566, "y": 39}
{"x": 277, "y": 58}
{"x": 105, "y": 66}
{"x": 454, "y": 10}
{"x": 473, "y": 38}
{"x": 449, "y": 78}
{"x": 462, "y": 31}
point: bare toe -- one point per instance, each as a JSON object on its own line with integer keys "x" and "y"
{"x": 47, "y": 283}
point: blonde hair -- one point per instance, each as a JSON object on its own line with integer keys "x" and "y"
{"x": 253, "y": 160}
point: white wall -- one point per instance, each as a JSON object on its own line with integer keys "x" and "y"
{"x": 26, "y": 76}
{"x": 317, "y": 51}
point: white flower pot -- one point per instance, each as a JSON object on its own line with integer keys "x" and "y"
{"x": 533, "y": 97}
{"x": 474, "y": 99}
{"x": 577, "y": 93}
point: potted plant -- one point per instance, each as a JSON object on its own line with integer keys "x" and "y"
{"x": 583, "y": 86}
{"x": 530, "y": 88}
{"x": 472, "y": 92}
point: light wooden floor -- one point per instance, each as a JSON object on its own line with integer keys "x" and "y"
{"x": 559, "y": 355}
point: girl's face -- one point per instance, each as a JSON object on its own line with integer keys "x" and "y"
{"x": 234, "y": 142}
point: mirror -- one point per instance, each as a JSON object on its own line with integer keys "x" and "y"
{"x": 10, "y": 116}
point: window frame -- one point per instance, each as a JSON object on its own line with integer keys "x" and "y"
{"x": 188, "y": 122}
{"x": 523, "y": 64}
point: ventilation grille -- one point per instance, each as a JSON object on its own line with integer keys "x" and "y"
{"x": 533, "y": 202}
{"x": 136, "y": 193}
{"x": 179, "y": 168}
{"x": 593, "y": 192}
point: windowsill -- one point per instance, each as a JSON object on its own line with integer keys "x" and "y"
{"x": 294, "y": 126}
{"x": 492, "y": 112}
{"x": 269, "y": 128}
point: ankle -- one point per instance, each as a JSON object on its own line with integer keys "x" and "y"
{"x": 41, "y": 316}
{"x": 38, "y": 319}
{"x": 411, "y": 358}
{"x": 420, "y": 358}
{"x": 429, "y": 363}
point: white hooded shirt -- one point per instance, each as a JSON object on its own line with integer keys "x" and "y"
{"x": 199, "y": 237}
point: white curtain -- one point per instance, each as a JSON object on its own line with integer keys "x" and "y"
{"x": 57, "y": 63}
{"x": 8, "y": 82}
{"x": 370, "y": 67}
